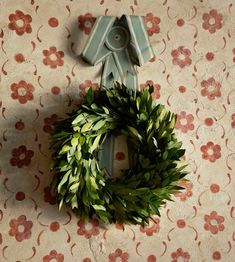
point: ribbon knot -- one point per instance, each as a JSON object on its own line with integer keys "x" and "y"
{"x": 119, "y": 44}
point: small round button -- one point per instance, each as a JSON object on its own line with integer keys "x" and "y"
{"x": 118, "y": 38}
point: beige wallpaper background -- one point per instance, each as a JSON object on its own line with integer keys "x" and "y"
{"x": 41, "y": 79}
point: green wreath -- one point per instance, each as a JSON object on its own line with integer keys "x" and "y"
{"x": 141, "y": 190}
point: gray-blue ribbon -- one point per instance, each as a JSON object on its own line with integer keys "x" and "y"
{"x": 119, "y": 44}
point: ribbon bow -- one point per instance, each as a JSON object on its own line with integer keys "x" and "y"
{"x": 119, "y": 44}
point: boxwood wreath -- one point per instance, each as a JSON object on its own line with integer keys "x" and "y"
{"x": 155, "y": 168}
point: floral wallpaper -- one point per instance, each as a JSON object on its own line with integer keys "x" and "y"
{"x": 42, "y": 77}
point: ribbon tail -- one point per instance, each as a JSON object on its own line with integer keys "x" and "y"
{"x": 109, "y": 75}
{"x": 131, "y": 81}
{"x": 126, "y": 69}
{"x": 106, "y": 155}
{"x": 110, "y": 72}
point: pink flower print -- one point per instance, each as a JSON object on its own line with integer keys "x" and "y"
{"x": 152, "y": 24}
{"x": 150, "y": 230}
{"x": 120, "y": 156}
{"x": 22, "y": 91}
{"x": 87, "y": 259}
{"x": 83, "y": 87}
{"x": 53, "y": 58}
{"x": 185, "y": 194}
{"x": 216, "y": 255}
{"x": 180, "y": 255}
{"x": 21, "y": 156}
{"x": 181, "y": 57}
{"x": 211, "y": 152}
{"x": 151, "y": 258}
{"x": 86, "y": 22}
{"x": 93, "y": 230}
{"x": 210, "y": 88}
{"x": 20, "y": 22}
{"x": 118, "y": 254}
{"x": 20, "y": 228}
{"x": 184, "y": 122}
{"x": 48, "y": 123}
{"x": 209, "y": 56}
{"x": 214, "y": 222}
{"x": 212, "y": 21}
{"x": 48, "y": 197}
{"x": 156, "y": 88}
{"x": 53, "y": 256}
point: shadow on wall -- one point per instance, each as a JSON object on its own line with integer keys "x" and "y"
{"x": 76, "y": 45}
{"x": 25, "y": 155}
{"x": 25, "y": 158}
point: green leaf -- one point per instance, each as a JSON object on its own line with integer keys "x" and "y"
{"x": 165, "y": 155}
{"x": 63, "y": 180}
{"x": 64, "y": 149}
{"x": 143, "y": 116}
{"x": 134, "y": 132}
{"x": 61, "y": 203}
{"x": 74, "y": 142}
{"x": 90, "y": 96}
{"x": 74, "y": 202}
{"x": 82, "y": 140}
{"x": 99, "y": 208}
{"x": 103, "y": 215}
{"x": 78, "y": 154}
{"x": 145, "y": 162}
{"x": 79, "y": 118}
{"x": 95, "y": 143}
{"x": 74, "y": 187}
{"x": 98, "y": 125}
{"x": 86, "y": 127}
{"x": 173, "y": 121}
{"x": 92, "y": 183}
{"x": 105, "y": 110}
{"x": 138, "y": 100}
